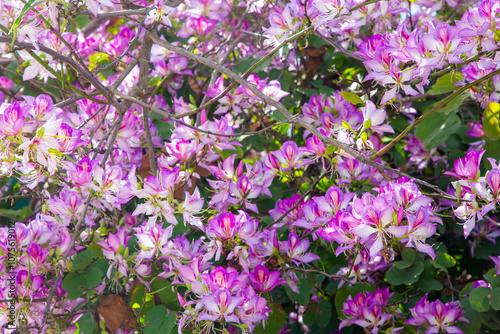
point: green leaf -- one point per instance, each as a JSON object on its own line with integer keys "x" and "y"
{"x": 446, "y": 83}
{"x": 407, "y": 276}
{"x": 324, "y": 314}
{"x": 13, "y": 214}
{"x": 453, "y": 105}
{"x": 395, "y": 276}
{"x": 476, "y": 319}
{"x": 99, "y": 58}
{"x": 274, "y": 323}
{"x": 167, "y": 296}
{"x": 409, "y": 255}
{"x": 492, "y": 277}
{"x": 304, "y": 292}
{"x": 340, "y": 298}
{"x": 434, "y": 130}
{"x": 495, "y": 299}
{"x": 402, "y": 264}
{"x": 227, "y": 153}
{"x": 82, "y": 260}
{"x": 352, "y": 98}
{"x": 72, "y": 283}
{"x": 443, "y": 261}
{"x": 430, "y": 285}
{"x": 164, "y": 129}
{"x": 159, "y": 321}
{"x": 81, "y": 21}
{"x": 491, "y": 125}
{"x": 480, "y": 299}
{"x": 102, "y": 264}
{"x": 331, "y": 287}
{"x": 94, "y": 276}
{"x": 278, "y": 116}
{"x": 25, "y": 212}
{"x": 86, "y": 324}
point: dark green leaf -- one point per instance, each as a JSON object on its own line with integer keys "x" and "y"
{"x": 340, "y": 298}
{"x": 82, "y": 260}
{"x": 159, "y": 321}
{"x": 434, "y": 130}
{"x": 407, "y": 276}
{"x": 480, "y": 299}
{"x": 429, "y": 285}
{"x": 324, "y": 314}
{"x": 73, "y": 283}
{"x": 94, "y": 276}
{"x": 492, "y": 277}
{"x": 443, "y": 261}
{"x": 402, "y": 264}
{"x": 495, "y": 299}
{"x": 86, "y": 324}
{"x": 304, "y": 292}
{"x": 167, "y": 296}
{"x": 274, "y": 323}
{"x": 475, "y": 318}
{"x": 409, "y": 255}
{"x": 164, "y": 129}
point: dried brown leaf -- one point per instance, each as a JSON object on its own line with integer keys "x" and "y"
{"x": 116, "y": 314}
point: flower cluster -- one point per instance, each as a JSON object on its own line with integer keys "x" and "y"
{"x": 202, "y": 162}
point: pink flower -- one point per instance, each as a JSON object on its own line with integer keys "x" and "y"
{"x": 367, "y": 310}
{"x": 374, "y": 228}
{"x": 13, "y": 119}
{"x": 468, "y": 168}
{"x": 296, "y": 249}
{"x": 290, "y": 156}
{"x": 439, "y": 316}
{"x": 68, "y": 138}
{"x": 152, "y": 241}
{"x": 493, "y": 181}
{"x": 220, "y": 305}
{"x": 225, "y": 226}
{"x": 263, "y": 280}
{"x": 419, "y": 228}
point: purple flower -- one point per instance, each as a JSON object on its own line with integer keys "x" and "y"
{"x": 224, "y": 226}
{"x": 439, "y": 316}
{"x": 253, "y": 310}
{"x": 496, "y": 260}
{"x": 315, "y": 146}
{"x": 229, "y": 278}
{"x": 152, "y": 240}
{"x": 468, "y": 168}
{"x": 263, "y": 280}
{"x": 296, "y": 249}
{"x": 13, "y": 119}
{"x": 367, "y": 310}
{"x": 290, "y": 156}
{"x": 68, "y": 138}
{"x": 419, "y": 228}
{"x": 81, "y": 173}
{"x": 220, "y": 305}
{"x": 114, "y": 249}
{"x": 493, "y": 181}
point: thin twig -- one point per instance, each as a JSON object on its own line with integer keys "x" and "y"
{"x": 282, "y": 109}
{"x": 441, "y": 105}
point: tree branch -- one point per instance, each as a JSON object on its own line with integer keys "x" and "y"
{"x": 281, "y": 108}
